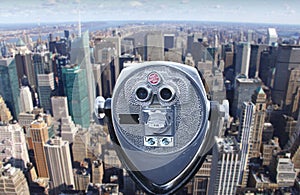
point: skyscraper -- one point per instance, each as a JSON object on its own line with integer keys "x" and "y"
{"x": 245, "y": 133}
{"x": 59, "y": 107}
{"x": 154, "y": 43}
{"x": 80, "y": 54}
{"x": 259, "y": 100}
{"x": 225, "y": 167}
{"x": 45, "y": 88}
{"x": 25, "y": 67}
{"x": 242, "y": 58}
{"x": 13, "y": 145}
{"x": 80, "y": 145}
{"x": 12, "y": 181}
{"x": 169, "y": 41}
{"x": 9, "y": 86}
{"x": 288, "y": 60}
{"x": 254, "y": 61}
{"x": 26, "y": 99}
{"x": 39, "y": 136}
{"x": 59, "y": 164}
{"x": 76, "y": 90}
{"x": 272, "y": 36}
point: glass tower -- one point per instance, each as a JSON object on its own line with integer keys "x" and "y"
{"x": 9, "y": 86}
{"x": 76, "y": 90}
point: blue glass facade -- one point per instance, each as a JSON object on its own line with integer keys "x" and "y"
{"x": 9, "y": 86}
{"x": 76, "y": 90}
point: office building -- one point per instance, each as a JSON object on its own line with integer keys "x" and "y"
{"x": 59, "y": 107}
{"x": 154, "y": 45}
{"x": 9, "y": 86}
{"x": 81, "y": 178}
{"x": 225, "y": 167}
{"x": 45, "y": 89}
{"x": 39, "y": 136}
{"x": 244, "y": 89}
{"x": 291, "y": 100}
{"x": 269, "y": 149}
{"x": 13, "y": 145}
{"x": 97, "y": 171}
{"x": 26, "y": 99}
{"x": 80, "y": 55}
{"x": 12, "y": 181}
{"x": 254, "y": 62}
{"x": 202, "y": 178}
{"x": 5, "y": 114}
{"x": 288, "y": 60}
{"x": 80, "y": 145}
{"x": 245, "y": 140}
{"x": 25, "y": 67}
{"x": 242, "y": 58}
{"x": 284, "y": 171}
{"x": 58, "y": 158}
{"x": 259, "y": 99}
{"x": 169, "y": 41}
{"x": 67, "y": 129}
{"x": 76, "y": 89}
{"x": 267, "y": 65}
{"x": 272, "y": 37}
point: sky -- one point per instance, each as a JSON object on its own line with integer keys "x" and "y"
{"x": 253, "y": 11}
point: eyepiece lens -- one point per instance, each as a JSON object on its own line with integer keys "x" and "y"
{"x": 142, "y": 93}
{"x": 166, "y": 94}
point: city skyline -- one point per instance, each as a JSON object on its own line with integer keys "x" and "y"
{"x": 266, "y": 11}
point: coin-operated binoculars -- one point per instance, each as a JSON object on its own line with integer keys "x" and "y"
{"x": 161, "y": 123}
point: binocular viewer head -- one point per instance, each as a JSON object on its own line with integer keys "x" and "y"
{"x": 159, "y": 115}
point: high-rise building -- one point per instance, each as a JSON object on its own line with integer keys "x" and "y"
{"x": 245, "y": 140}
{"x": 68, "y": 129}
{"x": 259, "y": 99}
{"x": 39, "y": 136}
{"x": 76, "y": 89}
{"x": 169, "y": 41}
{"x": 242, "y": 58}
{"x": 59, "y": 107}
{"x": 25, "y": 67}
{"x": 272, "y": 36}
{"x": 225, "y": 167}
{"x": 80, "y": 55}
{"x": 12, "y": 181}
{"x": 267, "y": 64}
{"x": 154, "y": 43}
{"x": 80, "y": 145}
{"x": 255, "y": 59}
{"x": 26, "y": 99}
{"x": 45, "y": 89}
{"x": 202, "y": 177}
{"x": 59, "y": 165}
{"x": 9, "y": 86}
{"x": 13, "y": 145}
{"x": 5, "y": 114}
{"x": 288, "y": 60}
{"x": 270, "y": 148}
{"x": 244, "y": 89}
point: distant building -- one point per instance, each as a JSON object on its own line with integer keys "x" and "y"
{"x": 24, "y": 67}
{"x": 68, "y": 129}
{"x": 272, "y": 36}
{"x": 97, "y": 171}
{"x": 59, "y": 164}
{"x": 267, "y": 65}
{"x": 169, "y": 41}
{"x": 39, "y": 136}
{"x": 76, "y": 90}
{"x": 26, "y": 99}
{"x": 242, "y": 58}
{"x": 269, "y": 149}
{"x": 81, "y": 178}
{"x": 80, "y": 145}
{"x": 254, "y": 62}
{"x": 288, "y": 60}
{"x": 154, "y": 43}
{"x": 9, "y": 85}
{"x": 12, "y": 181}
{"x": 244, "y": 89}
{"x": 59, "y": 107}
{"x": 45, "y": 89}
{"x": 225, "y": 167}
{"x": 80, "y": 55}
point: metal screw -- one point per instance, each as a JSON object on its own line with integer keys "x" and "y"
{"x": 165, "y": 141}
{"x": 151, "y": 141}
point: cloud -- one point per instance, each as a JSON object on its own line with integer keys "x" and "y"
{"x": 217, "y": 6}
{"x": 136, "y": 3}
{"x": 184, "y": 1}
